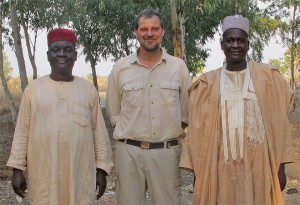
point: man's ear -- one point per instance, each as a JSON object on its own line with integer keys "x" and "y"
{"x": 221, "y": 43}
{"x": 75, "y": 55}
{"x": 48, "y": 55}
{"x": 248, "y": 45}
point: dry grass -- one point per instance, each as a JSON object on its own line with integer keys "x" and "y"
{"x": 102, "y": 84}
{"x": 14, "y": 86}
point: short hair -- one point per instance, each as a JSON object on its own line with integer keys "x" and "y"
{"x": 148, "y": 13}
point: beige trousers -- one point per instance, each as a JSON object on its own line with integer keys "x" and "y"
{"x": 157, "y": 169}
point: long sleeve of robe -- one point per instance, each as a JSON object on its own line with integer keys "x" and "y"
{"x": 201, "y": 147}
{"x": 60, "y": 139}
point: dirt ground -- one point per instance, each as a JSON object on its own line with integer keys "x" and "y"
{"x": 292, "y": 191}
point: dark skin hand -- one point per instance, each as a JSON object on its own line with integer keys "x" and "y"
{"x": 100, "y": 182}
{"x": 282, "y": 176}
{"x": 183, "y": 125}
{"x": 194, "y": 180}
{"x": 18, "y": 182}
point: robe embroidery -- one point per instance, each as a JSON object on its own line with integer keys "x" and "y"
{"x": 238, "y": 99}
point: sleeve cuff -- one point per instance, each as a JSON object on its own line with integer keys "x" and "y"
{"x": 113, "y": 120}
{"x": 16, "y": 166}
{"x": 106, "y": 167}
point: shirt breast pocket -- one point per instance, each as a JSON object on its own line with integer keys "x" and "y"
{"x": 169, "y": 93}
{"x": 132, "y": 94}
{"x": 80, "y": 115}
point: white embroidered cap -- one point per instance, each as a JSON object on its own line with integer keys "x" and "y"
{"x": 236, "y": 21}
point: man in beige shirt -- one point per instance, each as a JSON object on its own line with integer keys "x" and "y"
{"x": 60, "y": 137}
{"x": 238, "y": 140}
{"x": 147, "y": 102}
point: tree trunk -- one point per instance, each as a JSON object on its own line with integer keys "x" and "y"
{"x": 177, "y": 21}
{"x": 18, "y": 44}
{"x": 28, "y": 45}
{"x": 94, "y": 74}
{"x": 127, "y": 50}
{"x": 292, "y": 74}
{"x": 93, "y": 67}
{"x": 91, "y": 59}
{"x": 12, "y": 106}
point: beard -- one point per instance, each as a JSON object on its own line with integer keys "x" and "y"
{"x": 149, "y": 47}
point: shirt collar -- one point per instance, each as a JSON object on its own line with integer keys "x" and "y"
{"x": 134, "y": 56}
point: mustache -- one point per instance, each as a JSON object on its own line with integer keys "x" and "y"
{"x": 149, "y": 38}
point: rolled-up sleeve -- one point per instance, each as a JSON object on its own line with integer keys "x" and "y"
{"x": 113, "y": 99}
{"x": 184, "y": 96}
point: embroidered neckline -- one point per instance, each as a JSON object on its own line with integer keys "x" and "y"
{"x": 233, "y": 95}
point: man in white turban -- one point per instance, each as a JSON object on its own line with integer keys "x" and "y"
{"x": 238, "y": 139}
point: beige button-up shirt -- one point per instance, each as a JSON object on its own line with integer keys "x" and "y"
{"x": 148, "y": 104}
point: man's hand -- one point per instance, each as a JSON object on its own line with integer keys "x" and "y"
{"x": 100, "y": 182}
{"x": 282, "y": 176}
{"x": 18, "y": 182}
{"x": 183, "y": 125}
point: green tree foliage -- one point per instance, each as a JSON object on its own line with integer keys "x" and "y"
{"x": 287, "y": 12}
{"x": 18, "y": 44}
{"x": 6, "y": 26}
{"x": 7, "y": 68}
{"x": 283, "y": 64}
{"x": 262, "y": 27}
{"x": 114, "y": 19}
{"x": 105, "y": 29}
{"x": 30, "y": 16}
{"x": 202, "y": 20}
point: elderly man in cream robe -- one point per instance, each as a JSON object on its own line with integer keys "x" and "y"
{"x": 60, "y": 138}
{"x": 238, "y": 139}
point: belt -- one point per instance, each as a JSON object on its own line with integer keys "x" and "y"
{"x": 150, "y": 145}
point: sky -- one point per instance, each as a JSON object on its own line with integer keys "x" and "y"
{"x": 81, "y": 68}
